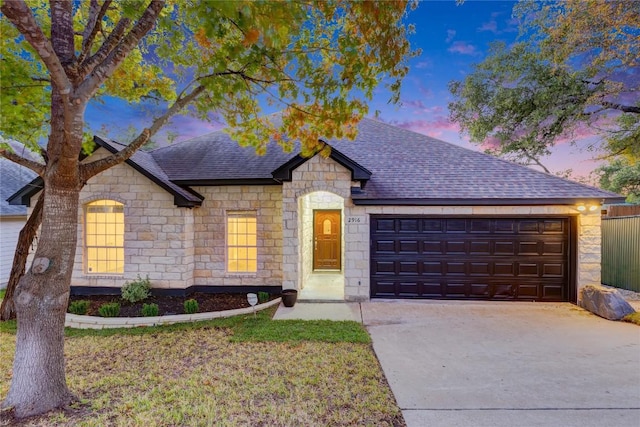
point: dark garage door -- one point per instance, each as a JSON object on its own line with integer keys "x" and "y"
{"x": 471, "y": 258}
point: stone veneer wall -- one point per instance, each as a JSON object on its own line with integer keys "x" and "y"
{"x": 210, "y": 234}
{"x": 158, "y": 235}
{"x": 316, "y": 174}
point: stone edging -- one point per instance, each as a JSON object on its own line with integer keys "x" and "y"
{"x": 94, "y": 322}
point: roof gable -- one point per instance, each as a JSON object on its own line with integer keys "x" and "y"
{"x": 13, "y": 177}
{"x": 144, "y": 163}
{"x": 358, "y": 172}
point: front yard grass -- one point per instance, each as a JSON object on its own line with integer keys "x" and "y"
{"x": 239, "y": 371}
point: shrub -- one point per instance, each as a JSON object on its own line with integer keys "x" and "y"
{"x": 110, "y": 309}
{"x": 263, "y": 297}
{"x": 137, "y": 290}
{"x": 191, "y": 306}
{"x": 149, "y": 310}
{"x": 79, "y": 307}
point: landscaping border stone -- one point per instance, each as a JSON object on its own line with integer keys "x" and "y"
{"x": 94, "y": 322}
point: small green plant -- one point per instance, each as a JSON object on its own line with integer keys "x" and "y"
{"x": 190, "y": 306}
{"x": 79, "y": 307}
{"x": 149, "y": 310}
{"x": 137, "y": 290}
{"x": 109, "y": 309}
{"x": 263, "y": 297}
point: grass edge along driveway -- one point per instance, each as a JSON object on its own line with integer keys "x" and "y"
{"x": 236, "y": 371}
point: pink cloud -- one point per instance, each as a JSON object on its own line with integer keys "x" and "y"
{"x": 463, "y": 48}
{"x": 434, "y": 128}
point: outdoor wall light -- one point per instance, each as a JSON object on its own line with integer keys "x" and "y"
{"x": 587, "y": 208}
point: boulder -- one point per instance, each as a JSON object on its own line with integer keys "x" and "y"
{"x": 604, "y": 302}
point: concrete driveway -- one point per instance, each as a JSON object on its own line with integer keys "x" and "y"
{"x": 506, "y": 364}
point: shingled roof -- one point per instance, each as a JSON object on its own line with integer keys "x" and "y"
{"x": 13, "y": 177}
{"x": 406, "y": 168}
{"x": 395, "y": 166}
{"x": 144, "y": 163}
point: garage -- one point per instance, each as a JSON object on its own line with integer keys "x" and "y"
{"x": 475, "y": 258}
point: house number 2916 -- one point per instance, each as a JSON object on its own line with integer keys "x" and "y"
{"x": 353, "y": 220}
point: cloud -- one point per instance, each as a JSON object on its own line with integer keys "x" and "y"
{"x": 423, "y": 64}
{"x": 419, "y": 107}
{"x": 491, "y": 26}
{"x": 414, "y": 103}
{"x": 188, "y": 127}
{"x": 463, "y": 48}
{"x": 450, "y": 35}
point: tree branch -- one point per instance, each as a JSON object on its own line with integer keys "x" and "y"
{"x": 620, "y": 107}
{"x": 107, "y": 47}
{"x": 25, "y": 240}
{"x": 89, "y": 170}
{"x": 20, "y": 15}
{"x": 92, "y": 27}
{"x": 103, "y": 70}
{"x": 29, "y": 164}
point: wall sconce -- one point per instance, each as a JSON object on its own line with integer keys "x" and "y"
{"x": 587, "y": 208}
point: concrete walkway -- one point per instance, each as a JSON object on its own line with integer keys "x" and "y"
{"x": 320, "y": 311}
{"x": 506, "y": 364}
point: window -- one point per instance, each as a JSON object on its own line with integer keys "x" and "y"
{"x": 242, "y": 250}
{"x": 104, "y": 237}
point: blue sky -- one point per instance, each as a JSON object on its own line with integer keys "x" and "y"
{"x": 452, "y": 38}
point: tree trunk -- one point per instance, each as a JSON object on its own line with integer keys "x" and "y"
{"x": 25, "y": 240}
{"x": 38, "y": 384}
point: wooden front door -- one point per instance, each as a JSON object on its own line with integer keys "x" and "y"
{"x": 326, "y": 240}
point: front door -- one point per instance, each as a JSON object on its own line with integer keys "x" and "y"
{"x": 326, "y": 240}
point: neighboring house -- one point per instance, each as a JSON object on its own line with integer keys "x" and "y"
{"x": 12, "y": 218}
{"x": 393, "y": 214}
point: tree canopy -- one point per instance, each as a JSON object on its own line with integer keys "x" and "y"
{"x": 319, "y": 61}
{"x": 574, "y": 65}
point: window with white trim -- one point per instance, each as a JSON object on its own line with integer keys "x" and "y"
{"x": 104, "y": 237}
{"x": 242, "y": 248}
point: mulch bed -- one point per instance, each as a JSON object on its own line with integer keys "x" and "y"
{"x": 168, "y": 304}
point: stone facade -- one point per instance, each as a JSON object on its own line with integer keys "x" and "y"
{"x": 181, "y": 247}
{"x": 318, "y": 174}
{"x": 158, "y": 237}
{"x": 210, "y": 238}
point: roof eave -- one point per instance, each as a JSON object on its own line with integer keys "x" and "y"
{"x": 484, "y": 202}
{"x": 179, "y": 199}
{"x": 23, "y": 196}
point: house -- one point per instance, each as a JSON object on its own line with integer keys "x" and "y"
{"x": 393, "y": 214}
{"x": 12, "y": 218}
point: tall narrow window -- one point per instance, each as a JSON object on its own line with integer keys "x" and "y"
{"x": 242, "y": 250}
{"x": 104, "y": 237}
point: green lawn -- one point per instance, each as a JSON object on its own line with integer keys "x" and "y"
{"x": 237, "y": 371}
